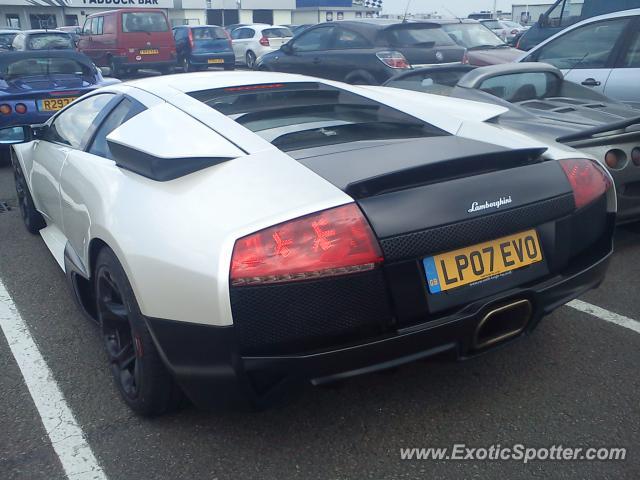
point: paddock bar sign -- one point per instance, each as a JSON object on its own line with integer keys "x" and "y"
{"x": 92, "y": 3}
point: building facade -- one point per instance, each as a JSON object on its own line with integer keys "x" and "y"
{"x": 26, "y": 14}
{"x": 318, "y": 11}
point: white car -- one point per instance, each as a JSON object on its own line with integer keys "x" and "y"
{"x": 234, "y": 234}
{"x": 507, "y": 30}
{"x": 602, "y": 53}
{"x": 252, "y": 41}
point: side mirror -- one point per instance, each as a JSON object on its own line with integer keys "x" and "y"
{"x": 286, "y": 48}
{"x": 14, "y": 135}
{"x": 106, "y": 71}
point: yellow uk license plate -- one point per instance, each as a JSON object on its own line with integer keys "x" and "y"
{"x": 215, "y": 60}
{"x": 150, "y": 51}
{"x": 484, "y": 260}
{"x": 54, "y": 104}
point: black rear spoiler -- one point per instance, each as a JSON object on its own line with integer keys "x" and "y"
{"x": 443, "y": 170}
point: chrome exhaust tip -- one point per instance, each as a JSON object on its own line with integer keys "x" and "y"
{"x": 502, "y": 323}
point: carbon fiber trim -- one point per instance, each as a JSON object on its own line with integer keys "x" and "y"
{"x": 449, "y": 237}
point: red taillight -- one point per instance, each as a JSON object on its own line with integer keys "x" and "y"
{"x": 332, "y": 242}
{"x": 465, "y": 59}
{"x": 587, "y": 180}
{"x": 20, "y": 108}
{"x": 514, "y": 32}
{"x": 264, "y": 41}
{"x": 5, "y": 109}
{"x": 190, "y": 37}
{"x": 393, "y": 59}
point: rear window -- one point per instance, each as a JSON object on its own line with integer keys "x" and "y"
{"x": 293, "y": 116}
{"x": 209, "y": 33}
{"x": 277, "y": 33}
{"x": 49, "y": 41}
{"x": 144, "y": 22}
{"x": 27, "y": 67}
{"x": 6, "y": 39}
{"x": 408, "y": 35}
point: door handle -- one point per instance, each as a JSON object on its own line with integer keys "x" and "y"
{"x": 591, "y": 82}
{"x": 316, "y": 61}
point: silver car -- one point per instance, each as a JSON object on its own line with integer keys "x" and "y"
{"x": 602, "y": 53}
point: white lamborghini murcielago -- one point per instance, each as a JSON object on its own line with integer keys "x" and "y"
{"x": 235, "y": 234}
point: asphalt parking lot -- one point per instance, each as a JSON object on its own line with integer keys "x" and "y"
{"x": 574, "y": 382}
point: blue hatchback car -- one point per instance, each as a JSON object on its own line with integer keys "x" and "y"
{"x": 201, "y": 47}
{"x": 36, "y": 84}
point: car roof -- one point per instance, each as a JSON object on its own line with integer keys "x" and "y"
{"x": 24, "y": 54}
{"x": 126, "y": 10}
{"x": 193, "y": 27}
{"x": 451, "y": 21}
{"x": 43, "y": 30}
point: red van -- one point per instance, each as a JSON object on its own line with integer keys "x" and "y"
{"x": 129, "y": 39}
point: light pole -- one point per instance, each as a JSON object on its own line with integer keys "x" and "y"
{"x": 494, "y": 8}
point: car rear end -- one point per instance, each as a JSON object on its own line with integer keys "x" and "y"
{"x": 272, "y": 38}
{"x": 34, "y": 85}
{"x": 419, "y": 44}
{"x": 210, "y": 46}
{"x": 144, "y": 40}
{"x": 449, "y": 246}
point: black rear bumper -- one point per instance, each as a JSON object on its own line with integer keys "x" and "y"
{"x": 208, "y": 364}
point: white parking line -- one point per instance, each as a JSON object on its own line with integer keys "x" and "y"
{"x": 605, "y": 315}
{"x": 65, "y": 434}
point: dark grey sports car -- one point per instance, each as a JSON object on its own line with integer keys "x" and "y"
{"x": 543, "y": 104}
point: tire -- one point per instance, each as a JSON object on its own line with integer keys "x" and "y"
{"x": 30, "y": 216}
{"x": 186, "y": 65}
{"x": 116, "y": 71}
{"x": 250, "y": 59}
{"x": 144, "y": 382}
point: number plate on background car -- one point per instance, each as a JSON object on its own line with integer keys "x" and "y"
{"x": 150, "y": 51}
{"x": 471, "y": 264}
{"x": 54, "y": 104}
{"x": 215, "y": 60}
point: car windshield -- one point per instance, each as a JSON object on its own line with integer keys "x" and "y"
{"x": 209, "y": 33}
{"x": 144, "y": 22}
{"x": 277, "y": 33}
{"x": 37, "y": 66}
{"x": 408, "y": 35}
{"x": 6, "y": 39}
{"x": 49, "y": 41}
{"x": 472, "y": 35}
{"x": 293, "y": 116}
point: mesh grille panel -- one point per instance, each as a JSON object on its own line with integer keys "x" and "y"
{"x": 297, "y": 317}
